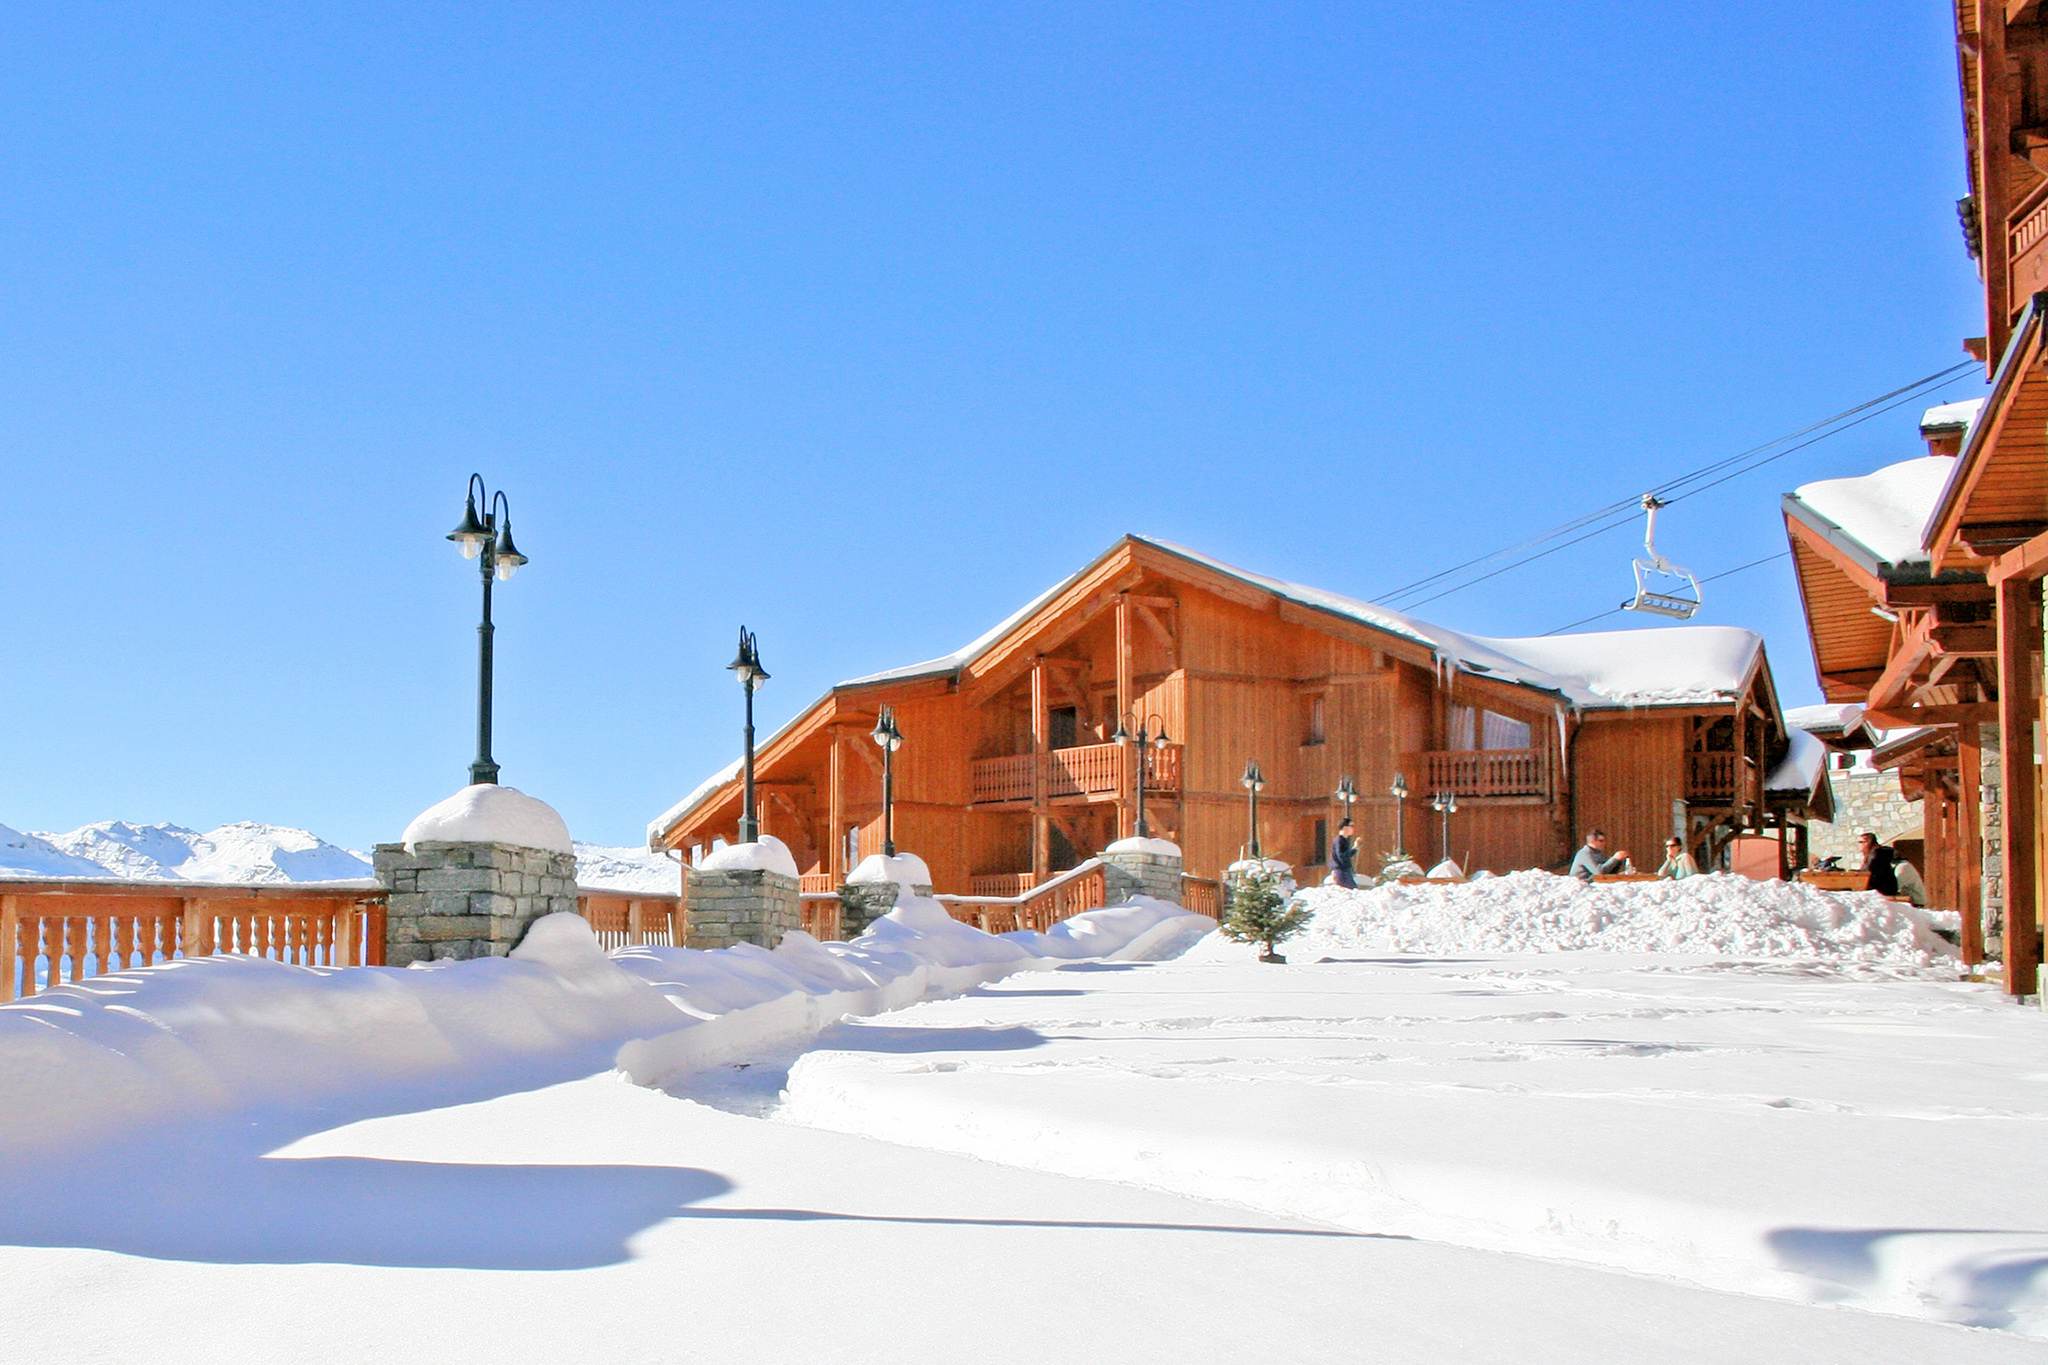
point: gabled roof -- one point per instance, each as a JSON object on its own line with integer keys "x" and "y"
{"x": 1659, "y": 666}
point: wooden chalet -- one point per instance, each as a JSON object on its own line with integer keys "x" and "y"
{"x": 1008, "y": 773}
{"x": 1931, "y": 615}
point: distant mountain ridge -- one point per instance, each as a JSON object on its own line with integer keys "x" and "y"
{"x": 250, "y": 851}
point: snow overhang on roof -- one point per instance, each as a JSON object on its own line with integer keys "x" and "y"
{"x": 1800, "y": 770}
{"x": 1877, "y": 519}
{"x": 1950, "y": 418}
{"x": 1836, "y": 724}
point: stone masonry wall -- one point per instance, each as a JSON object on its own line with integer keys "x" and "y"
{"x": 1993, "y": 808}
{"x": 739, "y": 906}
{"x": 1148, "y": 874}
{"x": 467, "y": 900}
{"x": 1863, "y": 800}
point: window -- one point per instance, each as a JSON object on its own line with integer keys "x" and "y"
{"x": 852, "y": 854}
{"x": 1315, "y": 733}
{"x": 1064, "y": 727}
{"x": 1461, "y": 736}
{"x": 1844, "y": 762}
{"x": 1502, "y": 732}
{"x": 1322, "y": 843}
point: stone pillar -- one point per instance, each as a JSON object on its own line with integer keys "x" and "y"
{"x": 1153, "y": 872}
{"x": 457, "y": 900}
{"x": 862, "y": 903}
{"x": 739, "y": 905}
{"x": 1991, "y": 794}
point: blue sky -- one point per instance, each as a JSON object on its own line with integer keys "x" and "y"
{"x": 863, "y": 324}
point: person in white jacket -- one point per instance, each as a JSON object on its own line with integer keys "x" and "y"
{"x": 1678, "y": 864}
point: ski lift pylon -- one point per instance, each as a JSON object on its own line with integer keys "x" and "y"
{"x": 1662, "y": 588}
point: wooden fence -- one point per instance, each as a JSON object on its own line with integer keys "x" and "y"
{"x": 56, "y": 932}
{"x": 1058, "y": 898}
{"x": 1200, "y": 896}
{"x": 621, "y": 920}
{"x": 822, "y": 915}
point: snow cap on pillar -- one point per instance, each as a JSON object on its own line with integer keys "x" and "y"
{"x": 486, "y": 813}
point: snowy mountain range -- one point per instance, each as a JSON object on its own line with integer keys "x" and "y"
{"x": 248, "y": 851}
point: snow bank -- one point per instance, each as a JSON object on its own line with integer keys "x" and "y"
{"x": 766, "y": 854}
{"x": 907, "y": 870}
{"x": 485, "y": 813}
{"x": 1538, "y": 912}
{"x": 206, "y": 1036}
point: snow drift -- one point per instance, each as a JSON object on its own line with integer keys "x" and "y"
{"x": 1537, "y": 912}
{"x": 208, "y": 1036}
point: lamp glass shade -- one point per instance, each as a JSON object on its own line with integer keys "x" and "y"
{"x": 470, "y": 534}
{"x": 1122, "y": 736}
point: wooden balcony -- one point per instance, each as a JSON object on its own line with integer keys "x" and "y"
{"x": 2028, "y": 244}
{"x": 1092, "y": 771}
{"x": 1721, "y": 780}
{"x": 1482, "y": 772}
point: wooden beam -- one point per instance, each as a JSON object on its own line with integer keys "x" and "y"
{"x": 1933, "y": 594}
{"x": 2019, "y": 625}
{"x": 1994, "y": 120}
{"x": 1990, "y": 540}
{"x": 1963, "y": 713}
{"x": 1124, "y": 702}
{"x": 1041, "y": 745}
{"x": 1970, "y": 845}
{"x": 2026, "y": 561}
{"x": 1912, "y": 642}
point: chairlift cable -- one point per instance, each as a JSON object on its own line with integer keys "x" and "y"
{"x": 1616, "y": 611}
{"x": 1628, "y": 507}
{"x": 1625, "y": 514}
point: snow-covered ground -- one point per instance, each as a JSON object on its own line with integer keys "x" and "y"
{"x": 248, "y": 851}
{"x": 1084, "y": 1145}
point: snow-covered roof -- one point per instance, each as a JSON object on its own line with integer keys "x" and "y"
{"x": 1879, "y": 518}
{"x": 1951, "y": 416}
{"x": 1668, "y": 666}
{"x": 1799, "y": 771}
{"x": 1826, "y": 718}
{"x": 1656, "y": 666}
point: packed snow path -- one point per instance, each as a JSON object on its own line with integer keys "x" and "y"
{"x": 596, "y": 1220}
{"x": 1828, "y": 1134}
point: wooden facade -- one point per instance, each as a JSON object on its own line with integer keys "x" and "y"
{"x": 1951, "y": 647}
{"x": 1008, "y": 773}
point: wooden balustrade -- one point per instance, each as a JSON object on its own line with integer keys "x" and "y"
{"x": 2027, "y": 271}
{"x": 1200, "y": 896}
{"x": 623, "y": 921}
{"x": 1092, "y": 770}
{"x": 1061, "y": 897}
{"x": 1483, "y": 772}
{"x": 58, "y": 932}
{"x": 817, "y": 884}
{"x": 1002, "y": 883}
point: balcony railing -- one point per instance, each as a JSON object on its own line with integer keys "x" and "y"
{"x": 1484, "y": 772}
{"x": 1093, "y": 770}
{"x": 1713, "y": 778}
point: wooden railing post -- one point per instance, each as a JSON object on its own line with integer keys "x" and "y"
{"x": 196, "y": 932}
{"x": 343, "y": 918}
{"x": 10, "y": 947}
{"x": 636, "y": 933}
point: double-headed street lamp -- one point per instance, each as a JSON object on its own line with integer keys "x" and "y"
{"x": 752, "y": 675}
{"x": 1399, "y": 791}
{"x": 1254, "y": 782}
{"x": 1445, "y": 804}
{"x": 489, "y": 538}
{"x": 888, "y": 739}
{"x": 1347, "y": 792}
{"x": 1147, "y": 741}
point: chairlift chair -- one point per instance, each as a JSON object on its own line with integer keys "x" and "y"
{"x": 1662, "y": 588}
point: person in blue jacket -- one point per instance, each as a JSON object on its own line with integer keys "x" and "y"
{"x": 1343, "y": 852}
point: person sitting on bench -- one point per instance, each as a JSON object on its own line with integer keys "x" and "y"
{"x": 1592, "y": 860}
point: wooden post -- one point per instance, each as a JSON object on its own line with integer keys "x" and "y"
{"x": 1124, "y": 702}
{"x": 195, "y": 936}
{"x": 2019, "y": 616}
{"x": 635, "y": 933}
{"x": 1994, "y": 123}
{"x": 835, "y": 806}
{"x": 1041, "y": 750}
{"x": 10, "y": 945}
{"x": 1970, "y": 843}
{"x": 344, "y": 915}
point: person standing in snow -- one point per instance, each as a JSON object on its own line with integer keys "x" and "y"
{"x": 1343, "y": 852}
{"x": 1678, "y": 864}
{"x": 1592, "y": 860}
{"x": 1879, "y": 861}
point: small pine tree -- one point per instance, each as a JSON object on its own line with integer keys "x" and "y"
{"x": 1259, "y": 913}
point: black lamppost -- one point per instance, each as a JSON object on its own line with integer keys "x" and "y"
{"x": 1400, "y": 794}
{"x": 1347, "y": 793}
{"x": 488, "y": 537}
{"x": 752, "y": 675}
{"x": 1445, "y": 804}
{"x": 889, "y": 739}
{"x": 1254, "y": 782}
{"x": 1146, "y": 741}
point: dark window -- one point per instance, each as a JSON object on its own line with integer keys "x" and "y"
{"x": 1064, "y": 856}
{"x": 1322, "y": 848}
{"x": 1065, "y": 727}
{"x": 1314, "y": 729}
